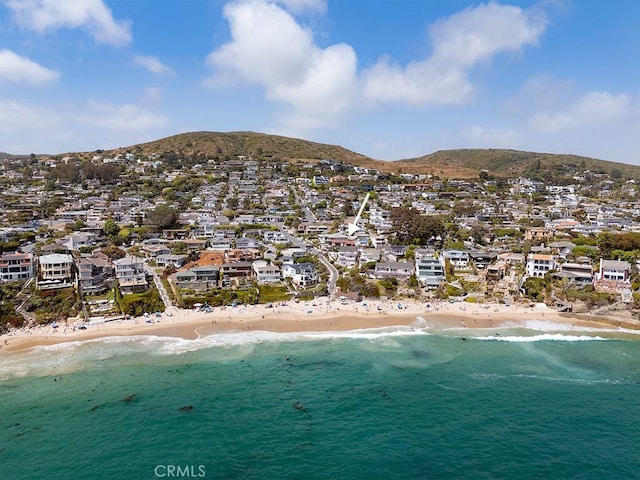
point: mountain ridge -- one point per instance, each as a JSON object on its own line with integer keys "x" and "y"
{"x": 455, "y": 163}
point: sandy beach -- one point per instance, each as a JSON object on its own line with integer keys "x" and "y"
{"x": 320, "y": 315}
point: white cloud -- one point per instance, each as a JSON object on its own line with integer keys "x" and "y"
{"x": 18, "y": 118}
{"x": 152, "y": 64}
{"x": 420, "y": 83}
{"x": 125, "y": 117}
{"x": 460, "y": 42}
{"x": 594, "y": 108}
{"x": 305, "y": 6}
{"x": 494, "y": 137}
{"x": 269, "y": 49}
{"x": 17, "y": 69}
{"x": 153, "y": 94}
{"x": 93, "y": 15}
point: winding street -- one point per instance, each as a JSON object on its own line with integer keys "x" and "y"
{"x": 300, "y": 243}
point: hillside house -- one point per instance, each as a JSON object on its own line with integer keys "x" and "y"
{"x": 130, "y": 275}
{"x": 16, "y": 267}
{"x": 399, "y": 270}
{"x": 613, "y": 276}
{"x": 347, "y": 257}
{"x": 56, "y": 270}
{"x": 266, "y": 273}
{"x": 539, "y": 264}
{"x": 459, "y": 259}
{"x": 429, "y": 270}
{"x": 199, "y": 279}
{"x": 301, "y": 274}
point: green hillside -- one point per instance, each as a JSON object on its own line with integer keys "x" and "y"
{"x": 467, "y": 163}
{"x": 509, "y": 163}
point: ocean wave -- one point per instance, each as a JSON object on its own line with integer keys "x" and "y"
{"x": 541, "y": 338}
{"x": 232, "y": 339}
{"x": 68, "y": 357}
{"x": 550, "y": 378}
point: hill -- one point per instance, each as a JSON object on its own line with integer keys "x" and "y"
{"x": 446, "y": 163}
{"x": 246, "y": 143}
{"x": 11, "y": 156}
{"x": 510, "y": 163}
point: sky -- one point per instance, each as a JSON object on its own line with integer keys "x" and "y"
{"x": 390, "y": 79}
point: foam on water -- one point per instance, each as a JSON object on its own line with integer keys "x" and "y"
{"x": 72, "y": 356}
{"x": 541, "y": 338}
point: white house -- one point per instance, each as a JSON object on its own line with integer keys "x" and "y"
{"x": 16, "y": 266}
{"x": 459, "y": 259}
{"x": 539, "y": 264}
{"x": 171, "y": 260}
{"x": 56, "y": 270}
{"x": 130, "y": 274}
{"x": 347, "y": 257}
{"x": 400, "y": 270}
{"x": 301, "y": 274}
{"x": 266, "y": 273}
{"x": 613, "y": 276}
{"x": 429, "y": 270}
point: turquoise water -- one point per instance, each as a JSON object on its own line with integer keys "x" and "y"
{"x": 385, "y": 404}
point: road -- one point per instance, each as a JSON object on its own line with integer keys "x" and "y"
{"x": 300, "y": 243}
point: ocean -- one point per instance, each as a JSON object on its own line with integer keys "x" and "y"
{"x": 392, "y": 403}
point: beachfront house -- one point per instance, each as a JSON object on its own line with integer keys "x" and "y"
{"x": 429, "y": 270}
{"x": 539, "y": 264}
{"x": 399, "y": 270}
{"x": 199, "y": 279}
{"x": 347, "y": 257}
{"x": 301, "y": 274}
{"x": 16, "y": 266}
{"x": 459, "y": 259}
{"x": 95, "y": 274}
{"x": 56, "y": 270}
{"x": 130, "y": 275}
{"x": 613, "y": 276}
{"x": 265, "y": 272}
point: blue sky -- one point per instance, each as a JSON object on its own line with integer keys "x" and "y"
{"x": 390, "y": 79}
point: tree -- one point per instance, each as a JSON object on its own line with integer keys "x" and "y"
{"x": 605, "y": 243}
{"x": 111, "y": 228}
{"x": 412, "y": 227}
{"x": 163, "y": 216}
{"x": 464, "y": 208}
{"x": 478, "y": 232}
{"x": 113, "y": 252}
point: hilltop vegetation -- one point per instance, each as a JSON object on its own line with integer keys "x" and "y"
{"x": 246, "y": 143}
{"x": 464, "y": 163}
{"x": 514, "y": 163}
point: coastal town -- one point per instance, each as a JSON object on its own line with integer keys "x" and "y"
{"x": 100, "y": 237}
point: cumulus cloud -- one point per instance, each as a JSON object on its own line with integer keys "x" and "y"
{"x": 152, "y": 64}
{"x": 92, "y": 15}
{"x": 268, "y": 48}
{"x": 460, "y": 41}
{"x": 17, "y": 69}
{"x": 125, "y": 117}
{"x": 594, "y": 108}
{"x": 320, "y": 85}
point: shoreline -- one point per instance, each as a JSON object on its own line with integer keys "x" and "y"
{"x": 318, "y": 316}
